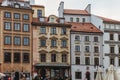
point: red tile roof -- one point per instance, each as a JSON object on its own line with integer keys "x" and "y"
{"x": 84, "y": 27}
{"x": 1, "y": 1}
{"x": 109, "y": 20}
{"x": 76, "y": 12}
{"x": 37, "y": 19}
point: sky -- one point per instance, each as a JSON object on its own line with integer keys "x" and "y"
{"x": 105, "y": 8}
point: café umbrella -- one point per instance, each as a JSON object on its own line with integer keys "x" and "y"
{"x": 99, "y": 74}
{"x": 111, "y": 74}
{"x": 2, "y": 75}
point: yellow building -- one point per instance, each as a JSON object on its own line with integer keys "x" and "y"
{"x": 51, "y": 47}
{"x": 15, "y": 37}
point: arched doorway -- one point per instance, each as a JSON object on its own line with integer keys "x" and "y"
{"x": 88, "y": 75}
{"x": 43, "y": 73}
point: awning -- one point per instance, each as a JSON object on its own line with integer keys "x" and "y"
{"x": 52, "y": 65}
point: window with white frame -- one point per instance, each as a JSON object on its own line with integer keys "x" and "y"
{"x": 78, "y": 75}
{"x": 77, "y": 60}
{"x": 87, "y": 60}
{"x": 96, "y": 49}
{"x": 95, "y": 39}
{"x": 87, "y": 49}
{"x": 77, "y": 38}
{"x": 86, "y": 38}
{"x": 77, "y": 48}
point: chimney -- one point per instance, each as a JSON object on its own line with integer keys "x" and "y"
{"x": 61, "y": 9}
{"x": 32, "y": 2}
{"x": 88, "y": 8}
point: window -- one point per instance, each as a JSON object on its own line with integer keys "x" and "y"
{"x": 119, "y": 49}
{"x": 83, "y": 20}
{"x": 77, "y": 38}
{"x": 7, "y": 57}
{"x": 71, "y": 19}
{"x": 53, "y": 30}
{"x": 64, "y": 43}
{"x": 25, "y": 41}
{"x": 63, "y": 30}
{"x": 26, "y": 28}
{"x": 42, "y": 30}
{"x": 64, "y": 58}
{"x": 7, "y": 15}
{"x": 87, "y": 60}
{"x": 77, "y": 48}
{"x": 95, "y": 39}
{"x": 53, "y": 57}
{"x": 16, "y": 16}
{"x": 17, "y": 41}
{"x": 7, "y": 40}
{"x": 52, "y": 19}
{"x": 87, "y": 49}
{"x": 26, "y": 58}
{"x": 78, "y": 75}
{"x": 77, "y": 60}
{"x": 7, "y": 25}
{"x": 96, "y": 61}
{"x": 119, "y": 37}
{"x": 43, "y": 57}
{"x": 96, "y": 49}
{"x": 112, "y": 61}
{"x": 86, "y": 38}
{"x": 77, "y": 19}
{"x": 43, "y": 42}
{"x": 111, "y": 37}
{"x": 17, "y": 26}
{"x": 119, "y": 62}
{"x": 16, "y": 57}
{"x": 112, "y": 49}
{"x": 25, "y": 16}
{"x": 53, "y": 43}
{"x": 95, "y": 73}
{"x": 39, "y": 13}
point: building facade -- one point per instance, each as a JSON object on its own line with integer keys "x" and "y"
{"x": 111, "y": 29}
{"x": 16, "y": 37}
{"x": 51, "y": 39}
{"x": 86, "y": 43}
{"x": 86, "y": 51}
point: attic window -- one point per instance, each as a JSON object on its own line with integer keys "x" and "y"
{"x": 16, "y": 5}
{"x": 74, "y": 27}
{"x": 91, "y": 27}
{"x": 52, "y": 19}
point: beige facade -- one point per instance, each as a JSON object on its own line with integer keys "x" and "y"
{"x": 36, "y": 8}
{"x": 51, "y": 47}
{"x": 16, "y": 39}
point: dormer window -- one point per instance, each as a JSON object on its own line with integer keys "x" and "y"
{"x": 52, "y": 19}
{"x": 16, "y": 5}
{"x": 71, "y": 19}
{"x": 42, "y": 19}
{"x": 62, "y": 20}
{"x": 83, "y": 20}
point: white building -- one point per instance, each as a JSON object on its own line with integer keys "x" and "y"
{"x": 111, "y": 36}
{"x": 86, "y": 43}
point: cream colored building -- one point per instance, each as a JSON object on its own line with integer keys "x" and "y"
{"x": 51, "y": 47}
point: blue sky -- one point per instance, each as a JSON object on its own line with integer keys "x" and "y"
{"x": 105, "y": 8}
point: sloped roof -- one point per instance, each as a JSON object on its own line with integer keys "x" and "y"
{"x": 84, "y": 27}
{"x": 108, "y": 20}
{"x": 1, "y": 1}
{"x": 76, "y": 12}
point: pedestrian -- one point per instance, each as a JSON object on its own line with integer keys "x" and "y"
{"x": 9, "y": 78}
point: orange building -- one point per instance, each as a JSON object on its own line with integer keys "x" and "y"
{"x": 15, "y": 37}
